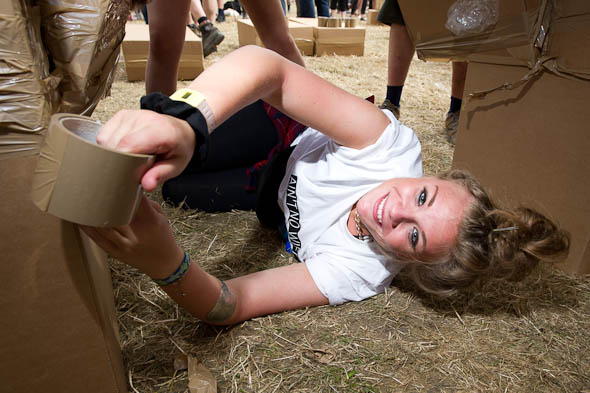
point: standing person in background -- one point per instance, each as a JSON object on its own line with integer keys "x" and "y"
{"x": 338, "y": 8}
{"x": 272, "y": 28}
{"x": 355, "y": 11}
{"x": 220, "y": 12}
{"x": 400, "y": 54}
{"x": 305, "y": 8}
{"x": 323, "y": 7}
{"x": 167, "y": 32}
{"x": 167, "y": 26}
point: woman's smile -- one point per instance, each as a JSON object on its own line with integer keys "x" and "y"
{"x": 402, "y": 213}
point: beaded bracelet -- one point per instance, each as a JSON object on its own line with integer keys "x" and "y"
{"x": 178, "y": 273}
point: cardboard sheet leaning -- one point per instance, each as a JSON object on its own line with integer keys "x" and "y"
{"x": 82, "y": 182}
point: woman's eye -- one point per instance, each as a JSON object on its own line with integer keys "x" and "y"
{"x": 422, "y": 197}
{"x": 414, "y": 237}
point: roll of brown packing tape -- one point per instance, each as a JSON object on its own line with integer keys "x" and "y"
{"x": 82, "y": 182}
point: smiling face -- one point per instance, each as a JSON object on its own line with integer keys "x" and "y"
{"x": 417, "y": 217}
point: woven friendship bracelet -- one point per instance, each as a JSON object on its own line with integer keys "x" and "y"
{"x": 178, "y": 273}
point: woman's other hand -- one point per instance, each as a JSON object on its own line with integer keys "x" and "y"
{"x": 147, "y": 243}
{"x": 171, "y": 140}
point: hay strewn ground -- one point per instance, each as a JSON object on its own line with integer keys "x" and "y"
{"x": 532, "y": 336}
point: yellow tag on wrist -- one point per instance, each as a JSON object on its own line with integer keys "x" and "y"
{"x": 191, "y": 97}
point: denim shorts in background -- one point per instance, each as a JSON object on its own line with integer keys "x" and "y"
{"x": 390, "y": 13}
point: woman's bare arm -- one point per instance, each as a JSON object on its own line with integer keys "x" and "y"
{"x": 148, "y": 244}
{"x": 242, "y": 77}
{"x": 253, "y": 73}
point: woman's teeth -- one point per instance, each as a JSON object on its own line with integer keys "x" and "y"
{"x": 380, "y": 211}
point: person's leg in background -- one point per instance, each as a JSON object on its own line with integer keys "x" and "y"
{"x": 271, "y": 25}
{"x": 323, "y": 7}
{"x": 220, "y": 12}
{"x": 399, "y": 57}
{"x": 167, "y": 32}
{"x": 354, "y": 8}
{"x": 305, "y": 9}
{"x": 342, "y": 8}
{"x": 333, "y": 7}
{"x": 144, "y": 12}
{"x": 459, "y": 72}
{"x": 363, "y": 10}
{"x": 210, "y": 34}
{"x": 210, "y": 8}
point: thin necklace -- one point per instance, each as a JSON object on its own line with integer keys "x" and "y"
{"x": 357, "y": 221}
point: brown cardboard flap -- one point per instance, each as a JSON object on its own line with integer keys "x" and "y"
{"x": 517, "y": 26}
{"x": 58, "y": 330}
{"x": 529, "y": 146}
{"x": 568, "y": 46}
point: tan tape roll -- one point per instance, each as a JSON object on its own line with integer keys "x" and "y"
{"x": 82, "y": 182}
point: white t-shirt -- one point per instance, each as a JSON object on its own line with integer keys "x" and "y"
{"x": 323, "y": 180}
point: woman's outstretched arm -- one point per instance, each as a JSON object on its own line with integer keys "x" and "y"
{"x": 148, "y": 244}
{"x": 251, "y": 73}
{"x": 242, "y": 77}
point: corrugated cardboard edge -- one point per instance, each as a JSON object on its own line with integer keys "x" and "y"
{"x": 99, "y": 276}
{"x": 47, "y": 169}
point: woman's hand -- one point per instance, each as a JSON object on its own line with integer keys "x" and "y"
{"x": 147, "y": 243}
{"x": 146, "y": 132}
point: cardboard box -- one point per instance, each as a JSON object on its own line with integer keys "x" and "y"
{"x": 517, "y": 27}
{"x": 136, "y": 47}
{"x": 339, "y": 41}
{"x": 372, "y": 17}
{"x": 83, "y": 38}
{"x": 342, "y": 41}
{"x": 301, "y": 33}
{"x": 529, "y": 146}
{"x": 58, "y": 331}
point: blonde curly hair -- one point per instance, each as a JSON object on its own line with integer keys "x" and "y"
{"x": 484, "y": 250}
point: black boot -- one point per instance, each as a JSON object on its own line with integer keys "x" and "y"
{"x": 211, "y": 37}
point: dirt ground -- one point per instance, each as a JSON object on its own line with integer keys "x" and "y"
{"x": 532, "y": 336}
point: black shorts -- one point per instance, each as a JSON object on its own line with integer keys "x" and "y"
{"x": 390, "y": 13}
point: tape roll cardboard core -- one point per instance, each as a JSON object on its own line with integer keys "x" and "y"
{"x": 80, "y": 181}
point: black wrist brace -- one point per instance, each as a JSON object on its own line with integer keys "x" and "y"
{"x": 161, "y": 103}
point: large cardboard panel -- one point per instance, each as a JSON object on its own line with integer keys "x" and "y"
{"x": 517, "y": 26}
{"x": 529, "y": 146}
{"x": 136, "y": 46}
{"x": 58, "y": 331}
{"x": 301, "y": 33}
